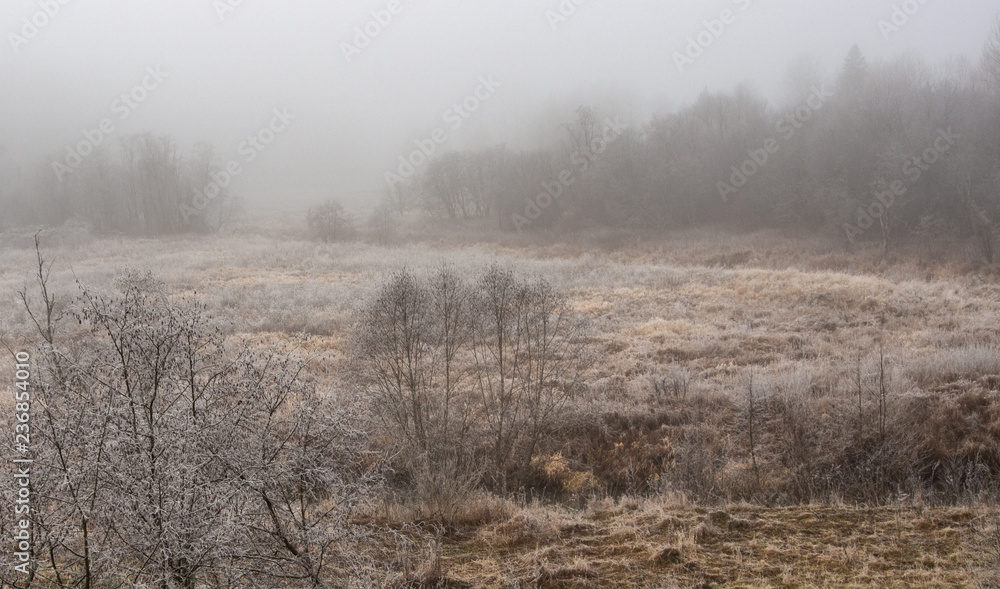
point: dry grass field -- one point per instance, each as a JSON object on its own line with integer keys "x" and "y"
{"x": 697, "y": 311}
{"x": 654, "y": 544}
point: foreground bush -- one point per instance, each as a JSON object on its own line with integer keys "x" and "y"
{"x": 164, "y": 457}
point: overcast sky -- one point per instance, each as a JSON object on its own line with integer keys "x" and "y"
{"x": 227, "y": 68}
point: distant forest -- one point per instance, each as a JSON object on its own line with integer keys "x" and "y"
{"x": 884, "y": 152}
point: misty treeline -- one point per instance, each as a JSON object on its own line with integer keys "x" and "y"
{"x": 884, "y": 151}
{"x": 141, "y": 185}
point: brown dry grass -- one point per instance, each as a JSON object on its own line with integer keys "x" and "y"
{"x": 654, "y": 543}
{"x": 706, "y": 307}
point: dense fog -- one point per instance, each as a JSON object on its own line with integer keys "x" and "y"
{"x": 387, "y": 294}
{"x": 226, "y": 65}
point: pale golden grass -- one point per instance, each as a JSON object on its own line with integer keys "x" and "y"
{"x": 636, "y": 543}
{"x": 796, "y": 312}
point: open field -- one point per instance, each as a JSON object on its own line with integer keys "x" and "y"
{"x": 801, "y": 316}
{"x": 758, "y": 299}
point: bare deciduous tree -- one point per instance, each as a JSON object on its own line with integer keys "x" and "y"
{"x": 524, "y": 368}
{"x": 409, "y": 341}
{"x": 453, "y": 368}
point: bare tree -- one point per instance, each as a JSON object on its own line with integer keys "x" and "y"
{"x": 583, "y": 131}
{"x": 446, "y": 185}
{"x": 524, "y": 371}
{"x": 215, "y": 204}
{"x": 329, "y": 222}
{"x": 152, "y": 181}
{"x": 404, "y": 196}
{"x": 392, "y": 343}
{"x": 450, "y": 367}
{"x": 410, "y": 341}
{"x": 464, "y": 185}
